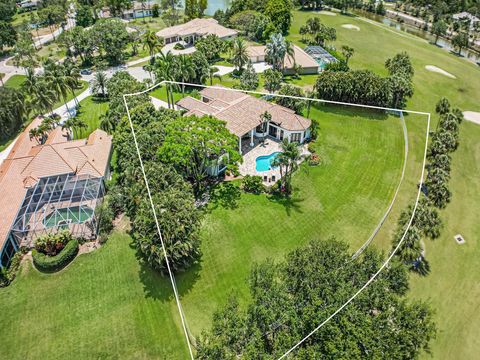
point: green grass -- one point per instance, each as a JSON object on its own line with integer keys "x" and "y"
{"x": 105, "y": 305}
{"x": 90, "y": 112}
{"x": 15, "y": 81}
{"x": 344, "y": 197}
{"x": 374, "y": 44}
{"x": 153, "y": 24}
{"x": 122, "y": 310}
{"x": 453, "y": 286}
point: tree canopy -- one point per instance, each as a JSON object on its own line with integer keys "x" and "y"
{"x": 288, "y": 299}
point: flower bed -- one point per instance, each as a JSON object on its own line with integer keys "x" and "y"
{"x": 49, "y": 264}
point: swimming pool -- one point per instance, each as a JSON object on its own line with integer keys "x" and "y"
{"x": 264, "y": 163}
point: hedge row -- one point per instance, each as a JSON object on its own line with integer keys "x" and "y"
{"x": 51, "y": 264}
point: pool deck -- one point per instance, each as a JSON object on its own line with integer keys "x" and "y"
{"x": 248, "y": 167}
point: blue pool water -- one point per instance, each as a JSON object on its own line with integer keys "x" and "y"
{"x": 264, "y": 163}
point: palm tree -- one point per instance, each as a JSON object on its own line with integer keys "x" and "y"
{"x": 265, "y": 118}
{"x": 212, "y": 73}
{"x": 348, "y": 52}
{"x": 57, "y": 80}
{"x": 153, "y": 43}
{"x": 34, "y": 134}
{"x": 309, "y": 94}
{"x": 107, "y": 123}
{"x": 239, "y": 54}
{"x": 74, "y": 124}
{"x": 165, "y": 70}
{"x": 99, "y": 83}
{"x": 287, "y": 162}
{"x": 72, "y": 73}
{"x": 289, "y": 53}
{"x": 44, "y": 97}
{"x": 276, "y": 50}
{"x": 186, "y": 69}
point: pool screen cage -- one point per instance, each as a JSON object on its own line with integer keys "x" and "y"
{"x": 59, "y": 202}
{"x": 319, "y": 53}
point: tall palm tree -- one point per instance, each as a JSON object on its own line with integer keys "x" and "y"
{"x": 99, "y": 83}
{"x": 165, "y": 70}
{"x": 289, "y": 53}
{"x": 212, "y": 73}
{"x": 57, "y": 80}
{"x": 44, "y": 97}
{"x": 72, "y": 73}
{"x": 287, "y": 163}
{"x": 239, "y": 53}
{"x": 275, "y": 51}
{"x": 186, "y": 69}
{"x": 153, "y": 43}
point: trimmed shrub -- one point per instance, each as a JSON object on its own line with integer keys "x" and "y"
{"x": 50, "y": 264}
{"x": 314, "y": 160}
{"x": 253, "y": 184}
{"x": 311, "y": 148}
{"x": 105, "y": 215}
{"x": 179, "y": 46}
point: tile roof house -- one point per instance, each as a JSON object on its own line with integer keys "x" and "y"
{"x": 195, "y": 29}
{"x": 242, "y": 114}
{"x": 36, "y": 180}
{"x": 300, "y": 57}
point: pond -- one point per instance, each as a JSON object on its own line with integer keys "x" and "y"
{"x": 213, "y": 5}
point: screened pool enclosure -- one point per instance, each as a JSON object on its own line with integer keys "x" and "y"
{"x": 59, "y": 202}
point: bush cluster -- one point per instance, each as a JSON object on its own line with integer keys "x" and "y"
{"x": 314, "y": 160}
{"x": 7, "y": 275}
{"x": 253, "y": 184}
{"x": 51, "y": 264}
{"x": 51, "y": 244}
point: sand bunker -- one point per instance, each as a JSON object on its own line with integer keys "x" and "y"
{"x": 329, "y": 13}
{"x": 472, "y": 116}
{"x": 351, "y": 27}
{"x": 433, "y": 68}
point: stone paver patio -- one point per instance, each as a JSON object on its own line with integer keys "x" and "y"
{"x": 250, "y": 154}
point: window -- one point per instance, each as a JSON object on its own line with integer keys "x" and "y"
{"x": 295, "y": 137}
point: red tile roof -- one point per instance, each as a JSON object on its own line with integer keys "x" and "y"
{"x": 28, "y": 161}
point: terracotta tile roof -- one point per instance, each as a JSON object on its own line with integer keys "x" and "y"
{"x": 192, "y": 103}
{"x": 243, "y": 111}
{"x": 198, "y": 27}
{"x": 28, "y": 161}
{"x": 301, "y": 57}
{"x": 256, "y": 50}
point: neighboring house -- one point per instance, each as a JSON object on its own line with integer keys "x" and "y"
{"x": 28, "y": 4}
{"x": 196, "y": 29}
{"x": 138, "y": 10}
{"x": 243, "y": 113}
{"x": 57, "y": 185}
{"x": 307, "y": 64}
{"x": 466, "y": 16}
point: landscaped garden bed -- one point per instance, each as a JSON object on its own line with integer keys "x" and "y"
{"x": 54, "y": 251}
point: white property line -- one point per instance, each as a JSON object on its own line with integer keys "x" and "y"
{"x": 372, "y": 278}
{"x": 377, "y": 229}
{"x": 172, "y": 280}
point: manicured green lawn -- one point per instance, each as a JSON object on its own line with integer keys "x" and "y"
{"x": 90, "y": 112}
{"x": 105, "y": 305}
{"x": 344, "y": 197}
{"x": 452, "y": 287}
{"x": 15, "y": 81}
{"x": 150, "y": 23}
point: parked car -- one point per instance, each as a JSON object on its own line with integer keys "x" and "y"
{"x": 85, "y": 72}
